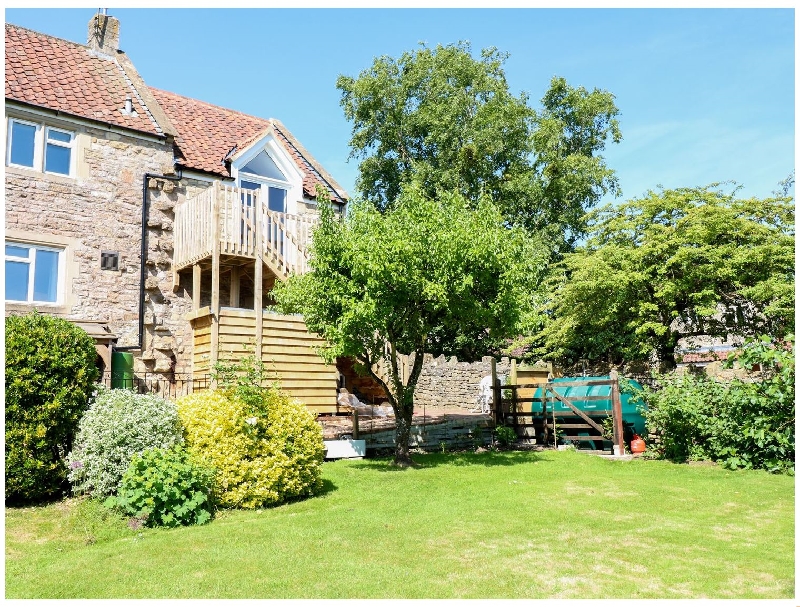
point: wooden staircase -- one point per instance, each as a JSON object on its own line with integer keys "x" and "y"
{"x": 225, "y": 229}
{"x": 366, "y": 389}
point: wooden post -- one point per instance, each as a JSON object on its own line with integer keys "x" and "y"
{"x": 258, "y": 287}
{"x": 235, "y": 278}
{"x": 495, "y": 392}
{"x": 514, "y": 408}
{"x": 547, "y": 399}
{"x": 215, "y": 237}
{"x": 355, "y": 424}
{"x": 196, "y": 273}
{"x": 616, "y": 413}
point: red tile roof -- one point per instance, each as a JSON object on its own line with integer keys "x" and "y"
{"x": 208, "y": 134}
{"x": 72, "y": 78}
{"x": 704, "y": 357}
{"x": 60, "y": 75}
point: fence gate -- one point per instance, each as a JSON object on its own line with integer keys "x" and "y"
{"x": 549, "y": 416}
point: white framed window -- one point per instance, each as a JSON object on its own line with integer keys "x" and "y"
{"x": 58, "y": 147}
{"x": 34, "y": 273}
{"x": 39, "y": 147}
{"x": 21, "y": 148}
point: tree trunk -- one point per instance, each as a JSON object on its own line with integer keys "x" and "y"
{"x": 404, "y": 406}
{"x": 403, "y": 418}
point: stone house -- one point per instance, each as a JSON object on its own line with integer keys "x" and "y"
{"x": 140, "y": 214}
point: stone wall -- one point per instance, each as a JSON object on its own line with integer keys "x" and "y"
{"x": 449, "y": 383}
{"x": 99, "y": 209}
{"x": 168, "y": 336}
{"x": 455, "y": 434}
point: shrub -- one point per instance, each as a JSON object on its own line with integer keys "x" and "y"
{"x": 165, "y": 488}
{"x": 50, "y": 375}
{"x": 265, "y": 452}
{"x": 118, "y": 425}
{"x": 245, "y": 379}
{"x": 743, "y": 423}
{"x": 506, "y": 436}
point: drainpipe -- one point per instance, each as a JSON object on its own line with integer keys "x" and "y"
{"x": 143, "y": 255}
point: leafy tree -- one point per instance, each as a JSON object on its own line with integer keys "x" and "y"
{"x": 673, "y": 264}
{"x": 446, "y": 121}
{"x": 570, "y": 176}
{"x": 425, "y": 276}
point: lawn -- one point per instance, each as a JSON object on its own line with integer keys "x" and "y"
{"x": 503, "y": 525}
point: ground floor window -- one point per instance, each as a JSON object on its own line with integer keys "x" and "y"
{"x": 34, "y": 273}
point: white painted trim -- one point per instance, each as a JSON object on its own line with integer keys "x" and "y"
{"x": 68, "y": 269}
{"x": 54, "y": 117}
{"x": 71, "y": 146}
{"x": 37, "y": 144}
{"x": 40, "y": 142}
{"x": 190, "y": 174}
{"x": 31, "y": 261}
{"x": 245, "y": 155}
{"x": 269, "y": 143}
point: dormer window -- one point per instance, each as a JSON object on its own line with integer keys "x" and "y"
{"x": 264, "y": 166}
{"x": 262, "y": 173}
{"x": 267, "y": 167}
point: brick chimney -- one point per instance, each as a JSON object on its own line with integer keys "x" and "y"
{"x": 104, "y": 33}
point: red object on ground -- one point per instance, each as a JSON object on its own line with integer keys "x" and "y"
{"x": 637, "y": 445}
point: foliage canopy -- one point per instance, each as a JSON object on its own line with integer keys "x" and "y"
{"x": 118, "y": 425}
{"x": 49, "y": 375}
{"x": 426, "y": 276}
{"x": 746, "y": 422}
{"x": 673, "y": 264}
{"x": 165, "y": 488}
{"x": 264, "y": 451}
{"x": 441, "y": 119}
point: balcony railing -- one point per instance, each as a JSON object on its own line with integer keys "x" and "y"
{"x": 240, "y": 222}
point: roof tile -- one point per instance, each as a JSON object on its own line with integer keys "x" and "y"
{"x": 69, "y": 77}
{"x": 207, "y": 133}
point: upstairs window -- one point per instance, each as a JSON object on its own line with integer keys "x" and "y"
{"x": 22, "y": 144}
{"x": 58, "y": 151}
{"x": 39, "y": 147}
{"x": 34, "y": 273}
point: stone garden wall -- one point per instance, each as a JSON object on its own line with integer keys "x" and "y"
{"x": 449, "y": 383}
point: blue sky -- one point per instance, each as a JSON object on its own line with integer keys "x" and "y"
{"x": 705, "y": 95}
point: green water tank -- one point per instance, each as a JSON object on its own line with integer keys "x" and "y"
{"x": 122, "y": 370}
{"x": 631, "y": 413}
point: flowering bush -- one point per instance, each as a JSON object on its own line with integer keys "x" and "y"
{"x": 118, "y": 425}
{"x": 165, "y": 488}
{"x": 50, "y": 375}
{"x": 265, "y": 451}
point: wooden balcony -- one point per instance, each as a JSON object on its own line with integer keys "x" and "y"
{"x": 238, "y": 221}
{"x": 228, "y": 235}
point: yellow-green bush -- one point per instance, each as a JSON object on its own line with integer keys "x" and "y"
{"x": 265, "y": 451}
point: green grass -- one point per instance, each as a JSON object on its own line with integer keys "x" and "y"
{"x": 492, "y": 525}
